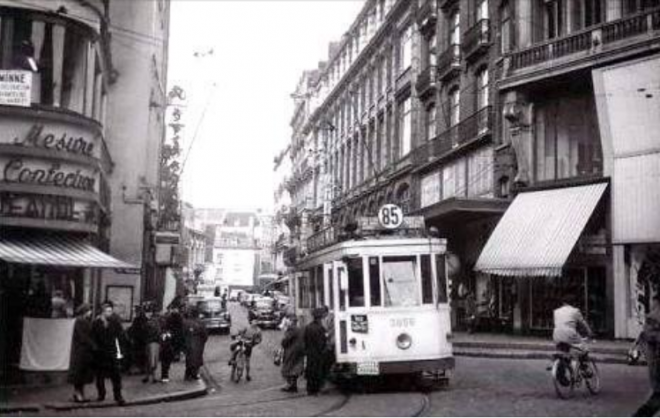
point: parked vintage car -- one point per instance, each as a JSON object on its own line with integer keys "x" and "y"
{"x": 264, "y": 311}
{"x": 215, "y": 314}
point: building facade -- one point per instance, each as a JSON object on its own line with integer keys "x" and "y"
{"x": 68, "y": 135}
{"x": 503, "y": 124}
{"x": 576, "y": 128}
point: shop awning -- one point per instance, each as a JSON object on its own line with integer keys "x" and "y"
{"x": 538, "y": 231}
{"x": 56, "y": 251}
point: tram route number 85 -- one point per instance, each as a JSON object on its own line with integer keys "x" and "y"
{"x": 390, "y": 216}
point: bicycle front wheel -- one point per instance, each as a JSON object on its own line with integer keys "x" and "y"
{"x": 240, "y": 366}
{"x": 591, "y": 377}
{"x": 562, "y": 377}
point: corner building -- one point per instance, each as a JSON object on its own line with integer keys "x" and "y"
{"x": 60, "y": 157}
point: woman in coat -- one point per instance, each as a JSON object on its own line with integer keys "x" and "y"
{"x": 196, "y": 336}
{"x": 81, "y": 368}
{"x": 293, "y": 358}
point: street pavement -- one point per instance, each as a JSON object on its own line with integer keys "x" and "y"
{"x": 478, "y": 387}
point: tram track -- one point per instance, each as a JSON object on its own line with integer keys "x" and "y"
{"x": 419, "y": 410}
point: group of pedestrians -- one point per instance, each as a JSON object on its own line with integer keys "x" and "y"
{"x": 101, "y": 347}
{"x": 308, "y": 351}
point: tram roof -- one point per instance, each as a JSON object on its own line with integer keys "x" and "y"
{"x": 375, "y": 246}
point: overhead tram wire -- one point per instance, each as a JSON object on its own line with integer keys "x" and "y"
{"x": 197, "y": 127}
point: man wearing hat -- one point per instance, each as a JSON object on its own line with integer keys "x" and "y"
{"x": 315, "y": 344}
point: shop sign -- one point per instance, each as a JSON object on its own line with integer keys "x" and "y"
{"x": 50, "y": 208}
{"x": 15, "y": 88}
{"x": 58, "y": 136}
{"x": 593, "y": 244}
{"x": 47, "y": 173}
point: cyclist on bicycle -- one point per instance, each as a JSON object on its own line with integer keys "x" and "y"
{"x": 250, "y": 336}
{"x": 570, "y": 327}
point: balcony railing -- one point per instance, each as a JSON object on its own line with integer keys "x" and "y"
{"x": 471, "y": 128}
{"x": 426, "y": 81}
{"x": 321, "y": 239}
{"x": 427, "y": 15}
{"x": 586, "y": 40}
{"x": 477, "y": 39}
{"x": 449, "y": 62}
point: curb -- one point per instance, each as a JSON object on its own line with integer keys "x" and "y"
{"x": 532, "y": 355}
{"x": 20, "y": 408}
{"x": 170, "y": 397}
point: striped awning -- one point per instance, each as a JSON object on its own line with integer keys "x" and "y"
{"x": 538, "y": 232}
{"x": 55, "y": 250}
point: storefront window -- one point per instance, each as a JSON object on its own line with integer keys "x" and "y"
{"x": 320, "y": 290}
{"x": 62, "y": 57}
{"x": 401, "y": 284}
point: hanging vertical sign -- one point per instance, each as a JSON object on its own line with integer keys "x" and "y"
{"x": 15, "y": 88}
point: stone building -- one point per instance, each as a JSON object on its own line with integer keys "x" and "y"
{"x": 81, "y": 103}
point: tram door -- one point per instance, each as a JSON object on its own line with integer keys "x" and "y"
{"x": 339, "y": 291}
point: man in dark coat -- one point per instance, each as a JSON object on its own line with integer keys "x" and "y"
{"x": 174, "y": 325}
{"x": 293, "y": 358}
{"x": 651, "y": 339}
{"x": 168, "y": 350}
{"x": 108, "y": 336}
{"x": 315, "y": 344}
{"x": 83, "y": 347}
{"x": 196, "y": 336}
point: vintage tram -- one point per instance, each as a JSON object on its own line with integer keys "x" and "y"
{"x": 388, "y": 294}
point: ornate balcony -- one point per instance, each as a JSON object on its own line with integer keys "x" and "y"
{"x": 585, "y": 44}
{"x": 476, "y": 40}
{"x": 321, "y": 239}
{"x": 477, "y": 126}
{"x": 427, "y": 82}
{"x": 427, "y": 16}
{"x": 449, "y": 63}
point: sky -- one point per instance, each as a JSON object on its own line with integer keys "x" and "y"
{"x": 260, "y": 49}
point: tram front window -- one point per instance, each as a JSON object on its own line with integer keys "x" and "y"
{"x": 401, "y": 284}
{"x": 355, "y": 282}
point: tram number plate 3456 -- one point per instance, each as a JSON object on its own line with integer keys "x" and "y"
{"x": 368, "y": 368}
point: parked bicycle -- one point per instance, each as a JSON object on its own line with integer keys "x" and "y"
{"x": 572, "y": 366}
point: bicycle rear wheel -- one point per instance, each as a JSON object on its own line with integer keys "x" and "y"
{"x": 240, "y": 366}
{"x": 562, "y": 377}
{"x": 591, "y": 377}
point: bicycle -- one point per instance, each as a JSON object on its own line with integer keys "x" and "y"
{"x": 570, "y": 370}
{"x": 238, "y": 365}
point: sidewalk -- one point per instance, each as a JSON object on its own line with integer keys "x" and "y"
{"x": 524, "y": 347}
{"x": 35, "y": 399}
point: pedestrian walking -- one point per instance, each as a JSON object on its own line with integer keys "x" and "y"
{"x": 81, "y": 368}
{"x": 651, "y": 340}
{"x": 329, "y": 325}
{"x": 293, "y": 358}
{"x": 167, "y": 348}
{"x": 136, "y": 337}
{"x": 196, "y": 336}
{"x": 315, "y": 344}
{"x": 152, "y": 337}
{"x": 174, "y": 324}
{"x": 108, "y": 335}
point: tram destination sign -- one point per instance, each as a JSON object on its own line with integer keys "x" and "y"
{"x": 373, "y": 224}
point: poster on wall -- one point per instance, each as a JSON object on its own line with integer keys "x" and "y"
{"x": 15, "y": 88}
{"x": 122, "y": 298}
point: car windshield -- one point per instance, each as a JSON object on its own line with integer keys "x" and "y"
{"x": 210, "y": 305}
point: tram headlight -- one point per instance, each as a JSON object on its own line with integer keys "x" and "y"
{"x": 404, "y": 341}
